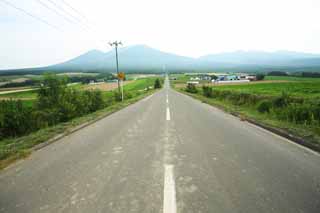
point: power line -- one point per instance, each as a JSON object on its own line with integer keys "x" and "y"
{"x": 84, "y": 19}
{"x": 55, "y": 11}
{"x": 75, "y": 10}
{"x": 46, "y": 22}
{"x": 78, "y": 21}
{"x": 31, "y": 15}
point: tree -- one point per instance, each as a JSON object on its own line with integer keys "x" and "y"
{"x": 191, "y": 88}
{"x": 260, "y": 77}
{"x": 157, "y": 84}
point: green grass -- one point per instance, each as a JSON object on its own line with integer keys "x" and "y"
{"x": 140, "y": 84}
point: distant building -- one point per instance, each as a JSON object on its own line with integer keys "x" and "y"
{"x": 230, "y": 79}
{"x": 192, "y": 82}
{"x": 251, "y": 77}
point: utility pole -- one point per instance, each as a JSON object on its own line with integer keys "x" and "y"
{"x": 116, "y": 44}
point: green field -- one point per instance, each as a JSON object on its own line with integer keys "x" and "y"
{"x": 305, "y": 89}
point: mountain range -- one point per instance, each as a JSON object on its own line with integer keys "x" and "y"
{"x": 142, "y": 58}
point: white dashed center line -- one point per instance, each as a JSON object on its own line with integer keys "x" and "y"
{"x": 168, "y": 114}
{"x": 169, "y": 190}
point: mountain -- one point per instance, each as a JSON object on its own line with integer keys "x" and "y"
{"x": 142, "y": 58}
{"x": 134, "y": 58}
{"x": 278, "y": 58}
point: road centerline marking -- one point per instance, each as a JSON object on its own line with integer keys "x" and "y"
{"x": 169, "y": 190}
{"x": 168, "y": 114}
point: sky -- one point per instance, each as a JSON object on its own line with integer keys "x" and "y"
{"x": 184, "y": 27}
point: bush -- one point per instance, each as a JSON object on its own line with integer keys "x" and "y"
{"x": 264, "y": 106}
{"x": 281, "y": 101}
{"x": 15, "y": 118}
{"x": 191, "y": 88}
{"x": 157, "y": 84}
{"x": 207, "y": 91}
{"x": 126, "y": 95}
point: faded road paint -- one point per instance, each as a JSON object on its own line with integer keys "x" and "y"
{"x": 169, "y": 190}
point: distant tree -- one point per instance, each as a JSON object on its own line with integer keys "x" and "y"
{"x": 214, "y": 77}
{"x": 191, "y": 88}
{"x": 310, "y": 74}
{"x": 51, "y": 90}
{"x": 260, "y": 77}
{"x": 277, "y": 73}
{"x": 157, "y": 84}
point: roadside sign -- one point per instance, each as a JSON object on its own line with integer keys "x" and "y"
{"x": 121, "y": 75}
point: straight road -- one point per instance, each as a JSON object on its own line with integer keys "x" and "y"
{"x": 167, "y": 153}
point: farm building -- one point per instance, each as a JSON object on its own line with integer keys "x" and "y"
{"x": 230, "y": 79}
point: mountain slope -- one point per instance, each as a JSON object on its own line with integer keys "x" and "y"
{"x": 257, "y": 57}
{"x": 134, "y": 58}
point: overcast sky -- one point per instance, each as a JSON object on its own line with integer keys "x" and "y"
{"x": 185, "y": 27}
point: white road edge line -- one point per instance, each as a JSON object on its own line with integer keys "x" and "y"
{"x": 168, "y": 114}
{"x": 147, "y": 98}
{"x": 169, "y": 190}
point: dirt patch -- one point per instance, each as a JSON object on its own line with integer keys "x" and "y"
{"x": 104, "y": 86}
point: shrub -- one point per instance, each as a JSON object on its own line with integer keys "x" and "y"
{"x": 191, "y": 88}
{"x": 15, "y": 118}
{"x": 264, "y": 106}
{"x": 281, "y": 101}
{"x": 118, "y": 96}
{"x": 207, "y": 91}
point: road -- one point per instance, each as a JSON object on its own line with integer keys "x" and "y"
{"x": 166, "y": 153}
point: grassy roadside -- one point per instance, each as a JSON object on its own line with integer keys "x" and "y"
{"x": 13, "y": 149}
{"x": 307, "y": 133}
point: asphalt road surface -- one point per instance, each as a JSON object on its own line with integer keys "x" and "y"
{"x": 167, "y": 153}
